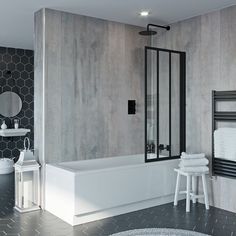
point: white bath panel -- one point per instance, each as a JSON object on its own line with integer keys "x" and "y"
{"x": 101, "y": 188}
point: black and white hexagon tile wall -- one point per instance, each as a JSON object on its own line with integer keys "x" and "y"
{"x": 17, "y": 75}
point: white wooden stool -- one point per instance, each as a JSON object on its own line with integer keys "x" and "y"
{"x": 191, "y": 194}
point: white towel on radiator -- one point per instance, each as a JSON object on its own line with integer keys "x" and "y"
{"x": 218, "y": 143}
{"x": 192, "y": 156}
{"x": 193, "y": 162}
{"x": 225, "y": 143}
{"x": 230, "y": 147}
{"x": 195, "y": 169}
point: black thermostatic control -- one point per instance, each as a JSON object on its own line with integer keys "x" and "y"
{"x": 131, "y": 107}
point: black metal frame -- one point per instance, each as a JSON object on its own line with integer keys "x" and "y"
{"x": 182, "y": 84}
{"x": 222, "y": 167}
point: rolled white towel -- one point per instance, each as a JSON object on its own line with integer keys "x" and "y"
{"x": 198, "y": 155}
{"x": 193, "y": 162}
{"x": 195, "y": 169}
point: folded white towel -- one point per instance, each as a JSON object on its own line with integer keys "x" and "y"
{"x": 198, "y": 155}
{"x": 195, "y": 169}
{"x": 193, "y": 162}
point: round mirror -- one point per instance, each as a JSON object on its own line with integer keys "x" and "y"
{"x": 10, "y": 104}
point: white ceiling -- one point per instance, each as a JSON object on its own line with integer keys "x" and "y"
{"x": 16, "y": 16}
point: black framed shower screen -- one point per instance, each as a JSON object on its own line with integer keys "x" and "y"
{"x": 165, "y": 101}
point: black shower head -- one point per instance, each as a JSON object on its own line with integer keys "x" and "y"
{"x": 149, "y": 32}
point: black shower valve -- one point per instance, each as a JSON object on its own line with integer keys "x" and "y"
{"x": 163, "y": 147}
{"x": 150, "y": 147}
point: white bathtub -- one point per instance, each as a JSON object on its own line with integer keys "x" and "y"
{"x": 84, "y": 191}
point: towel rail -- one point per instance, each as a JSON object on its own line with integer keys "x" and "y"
{"x": 222, "y": 167}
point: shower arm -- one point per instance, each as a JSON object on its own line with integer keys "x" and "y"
{"x": 159, "y": 26}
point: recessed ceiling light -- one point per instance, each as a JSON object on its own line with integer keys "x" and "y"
{"x": 144, "y": 13}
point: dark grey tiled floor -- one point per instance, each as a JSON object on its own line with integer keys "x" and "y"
{"x": 215, "y": 221}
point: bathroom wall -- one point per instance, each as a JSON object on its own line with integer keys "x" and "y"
{"x": 209, "y": 42}
{"x": 86, "y": 70}
{"x": 20, "y": 62}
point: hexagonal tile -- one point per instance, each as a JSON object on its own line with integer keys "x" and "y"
{"x": 3, "y": 66}
{"x": 29, "y": 83}
{"x": 15, "y": 59}
{"x": 3, "y": 83}
{"x": 6, "y": 88}
{"x": 32, "y": 60}
{"x": 31, "y": 126}
{"x": 11, "y": 82}
{"x": 3, "y": 145}
{"x": 25, "y": 106}
{"x": 11, "y": 51}
{"x": 15, "y": 74}
{"x": 29, "y": 68}
{"x": 7, "y": 74}
{"x": 28, "y": 98}
{"x": 24, "y": 121}
{"x": 20, "y": 52}
{"x": 24, "y": 75}
{"x": 32, "y": 75}
{"x": 29, "y": 113}
{"x": 20, "y": 143}
{"x": 24, "y": 90}
{"x": 20, "y": 82}
{"x": 29, "y": 53}
{"x": 24, "y": 60}
{"x": 6, "y": 153}
{"x": 11, "y": 145}
{"x": 32, "y": 120}
{"x": 15, "y": 89}
{"x": 20, "y": 67}
{"x": 3, "y": 50}
{"x": 16, "y": 152}
{"x": 6, "y": 58}
{"x": 11, "y": 66}
{"x": 31, "y": 106}
{"x": 32, "y": 90}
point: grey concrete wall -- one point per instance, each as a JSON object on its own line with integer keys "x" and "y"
{"x": 86, "y": 70}
{"x": 209, "y": 42}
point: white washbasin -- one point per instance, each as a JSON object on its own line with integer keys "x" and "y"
{"x": 13, "y": 132}
{"x": 6, "y": 166}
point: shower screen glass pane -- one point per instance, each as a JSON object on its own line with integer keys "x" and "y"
{"x": 151, "y": 106}
{"x": 164, "y": 107}
{"x": 175, "y": 104}
{"x": 164, "y": 103}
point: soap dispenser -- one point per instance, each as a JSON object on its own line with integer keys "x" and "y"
{"x": 16, "y": 123}
{"x": 3, "y": 126}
